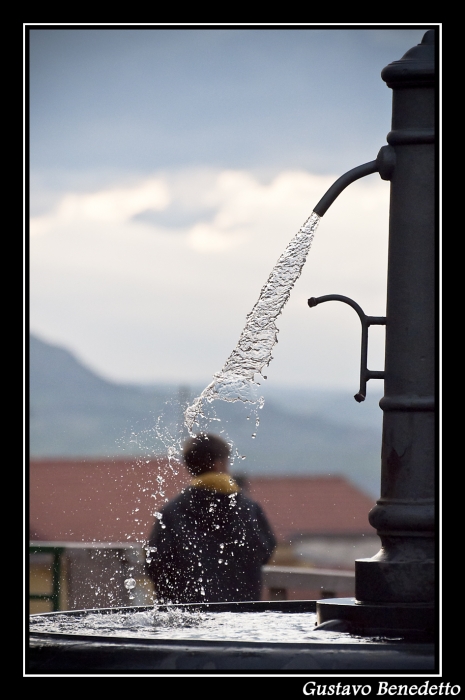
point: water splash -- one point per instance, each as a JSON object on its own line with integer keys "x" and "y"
{"x": 237, "y": 380}
{"x": 175, "y": 623}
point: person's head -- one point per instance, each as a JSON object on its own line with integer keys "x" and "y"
{"x": 206, "y": 453}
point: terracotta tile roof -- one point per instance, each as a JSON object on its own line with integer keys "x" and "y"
{"x": 114, "y": 500}
{"x": 313, "y": 505}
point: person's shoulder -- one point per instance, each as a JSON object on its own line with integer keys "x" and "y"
{"x": 247, "y": 502}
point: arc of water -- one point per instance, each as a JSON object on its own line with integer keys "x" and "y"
{"x": 236, "y": 380}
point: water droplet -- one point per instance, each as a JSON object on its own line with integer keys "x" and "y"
{"x": 148, "y": 553}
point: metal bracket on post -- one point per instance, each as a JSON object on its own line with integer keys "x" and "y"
{"x": 366, "y": 321}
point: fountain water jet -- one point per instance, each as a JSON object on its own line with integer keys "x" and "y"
{"x": 236, "y": 381}
{"x": 395, "y": 590}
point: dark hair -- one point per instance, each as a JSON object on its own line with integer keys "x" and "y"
{"x": 201, "y": 451}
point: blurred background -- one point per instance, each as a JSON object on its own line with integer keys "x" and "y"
{"x": 168, "y": 169}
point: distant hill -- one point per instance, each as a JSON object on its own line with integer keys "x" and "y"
{"x": 76, "y": 413}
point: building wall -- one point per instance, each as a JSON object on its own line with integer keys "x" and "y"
{"x": 333, "y": 552}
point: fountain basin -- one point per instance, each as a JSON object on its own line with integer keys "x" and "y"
{"x": 71, "y": 642}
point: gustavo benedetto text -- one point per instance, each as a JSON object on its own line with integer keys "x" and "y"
{"x": 381, "y": 688}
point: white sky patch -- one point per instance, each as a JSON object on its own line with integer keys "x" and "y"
{"x": 114, "y": 206}
{"x": 142, "y": 300}
{"x": 243, "y": 203}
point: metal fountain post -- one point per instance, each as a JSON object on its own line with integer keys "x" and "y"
{"x": 395, "y": 590}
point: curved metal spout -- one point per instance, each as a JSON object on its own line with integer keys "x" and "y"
{"x": 342, "y": 182}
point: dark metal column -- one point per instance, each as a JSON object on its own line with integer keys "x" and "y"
{"x": 403, "y": 571}
{"x": 396, "y": 587}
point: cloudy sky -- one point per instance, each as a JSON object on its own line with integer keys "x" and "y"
{"x": 170, "y": 167}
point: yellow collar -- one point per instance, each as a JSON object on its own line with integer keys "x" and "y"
{"x": 216, "y": 482}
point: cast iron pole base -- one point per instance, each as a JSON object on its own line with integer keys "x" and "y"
{"x": 412, "y": 622}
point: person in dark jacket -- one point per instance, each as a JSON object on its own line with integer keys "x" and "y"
{"x": 211, "y": 540}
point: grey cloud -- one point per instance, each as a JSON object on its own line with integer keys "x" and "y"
{"x": 174, "y": 217}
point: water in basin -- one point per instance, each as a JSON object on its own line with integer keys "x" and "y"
{"x": 177, "y": 624}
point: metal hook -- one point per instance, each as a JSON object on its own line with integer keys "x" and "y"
{"x": 366, "y": 321}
